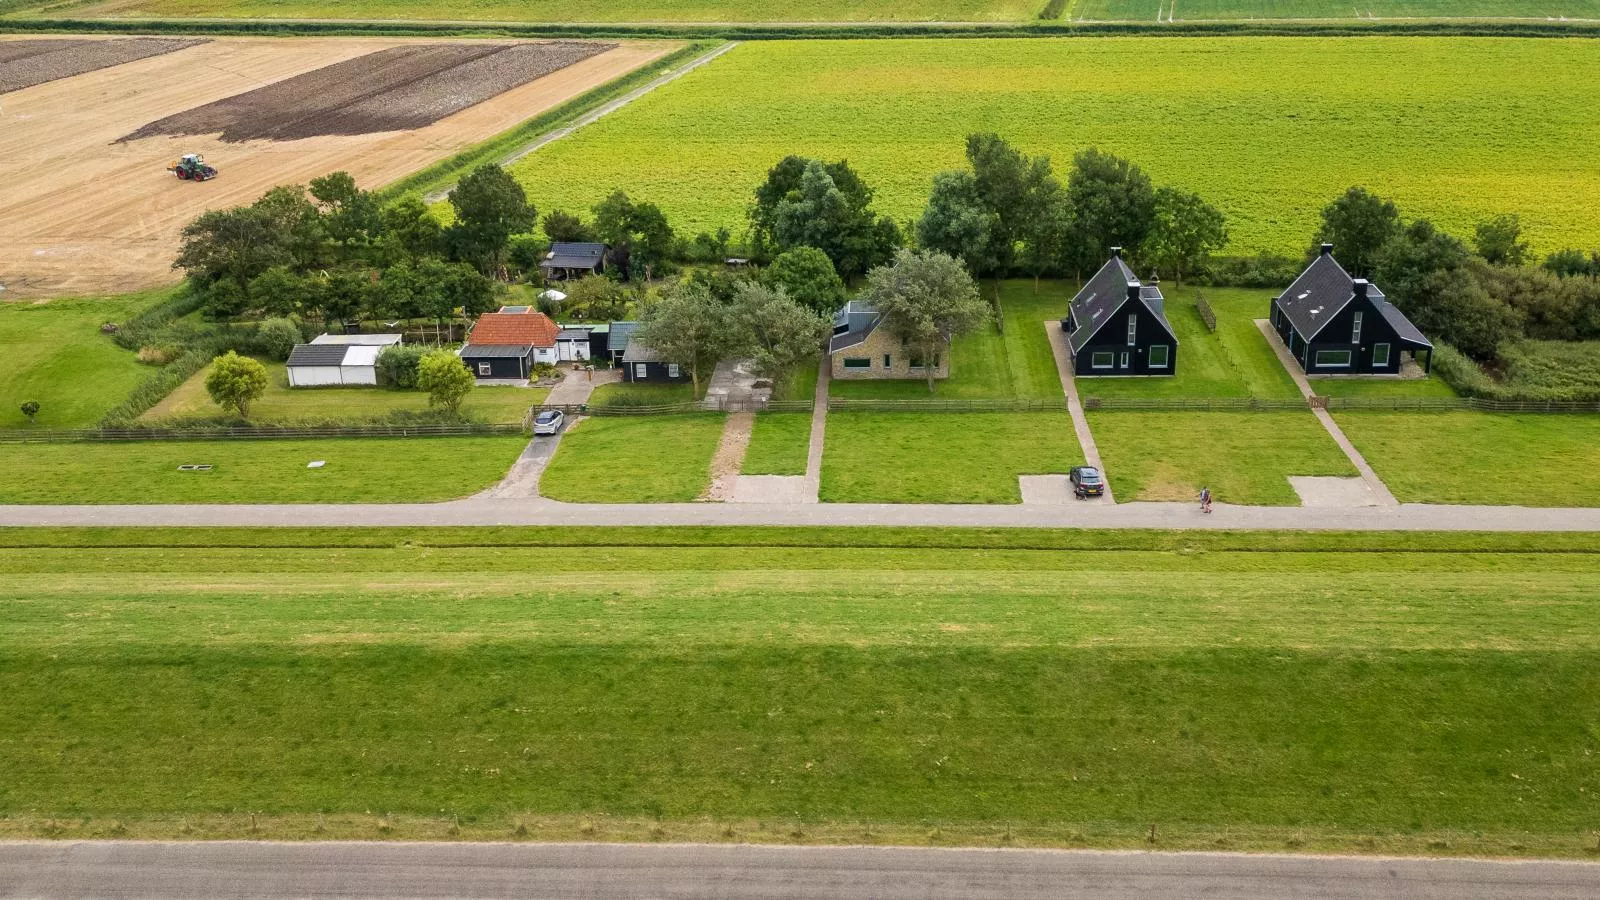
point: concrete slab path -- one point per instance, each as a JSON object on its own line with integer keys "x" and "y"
{"x": 1080, "y": 421}
{"x": 576, "y": 388}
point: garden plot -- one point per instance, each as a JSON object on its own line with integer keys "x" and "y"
{"x": 110, "y": 221}
{"x": 27, "y": 63}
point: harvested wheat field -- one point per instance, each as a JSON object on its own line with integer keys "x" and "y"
{"x": 109, "y": 221}
{"x": 26, "y": 63}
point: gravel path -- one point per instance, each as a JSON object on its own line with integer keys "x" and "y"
{"x": 27, "y": 63}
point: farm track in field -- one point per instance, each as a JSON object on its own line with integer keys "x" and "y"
{"x": 397, "y": 89}
{"x": 27, "y": 63}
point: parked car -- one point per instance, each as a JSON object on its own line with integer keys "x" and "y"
{"x": 549, "y": 422}
{"x": 1086, "y": 482}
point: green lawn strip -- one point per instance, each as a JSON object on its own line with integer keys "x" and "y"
{"x": 1244, "y": 458}
{"x": 779, "y": 443}
{"x": 357, "y": 470}
{"x": 282, "y": 404}
{"x": 1525, "y": 459}
{"x": 55, "y": 354}
{"x": 1432, "y": 387}
{"x": 1277, "y": 698}
{"x": 628, "y": 459}
{"x": 917, "y": 457}
{"x": 627, "y": 393}
{"x": 802, "y": 385}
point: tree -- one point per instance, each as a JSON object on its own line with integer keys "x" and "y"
{"x": 639, "y": 238}
{"x": 957, "y": 223}
{"x": 1499, "y": 241}
{"x": 30, "y": 409}
{"x": 596, "y": 298}
{"x": 1572, "y": 263}
{"x": 235, "y": 382}
{"x": 926, "y": 299}
{"x": 410, "y": 229}
{"x": 1452, "y": 305}
{"x": 562, "y": 226}
{"x": 782, "y": 333}
{"x": 349, "y": 215}
{"x": 1046, "y": 220}
{"x": 1187, "y": 230}
{"x": 808, "y": 276}
{"x": 1002, "y": 177}
{"x": 1413, "y": 254}
{"x": 687, "y": 326}
{"x": 1358, "y": 224}
{"x": 1113, "y": 205}
{"x": 807, "y": 203}
{"x": 277, "y": 338}
{"x": 280, "y": 291}
{"x": 236, "y": 244}
{"x": 446, "y": 379}
{"x": 490, "y": 207}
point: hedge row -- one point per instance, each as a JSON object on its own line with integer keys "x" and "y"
{"x": 168, "y": 378}
{"x": 1469, "y": 380}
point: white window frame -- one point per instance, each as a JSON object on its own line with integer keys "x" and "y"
{"x": 673, "y": 371}
{"x": 1124, "y": 360}
{"x": 1355, "y": 329}
{"x": 1111, "y": 359}
{"x": 641, "y": 370}
{"x": 1166, "y": 356}
{"x": 1348, "y": 356}
{"x": 1133, "y": 329}
{"x": 858, "y": 362}
{"x": 1386, "y": 355}
{"x": 485, "y": 369}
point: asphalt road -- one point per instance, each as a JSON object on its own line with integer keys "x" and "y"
{"x": 235, "y": 869}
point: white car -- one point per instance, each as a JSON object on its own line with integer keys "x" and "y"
{"x": 549, "y": 422}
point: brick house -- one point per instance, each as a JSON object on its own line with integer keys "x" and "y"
{"x": 861, "y": 348}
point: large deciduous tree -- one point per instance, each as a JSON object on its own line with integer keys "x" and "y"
{"x": 926, "y": 299}
{"x": 490, "y": 207}
{"x": 689, "y": 327}
{"x": 1499, "y": 241}
{"x": 1187, "y": 230}
{"x": 807, "y": 203}
{"x": 807, "y": 275}
{"x": 1358, "y": 224}
{"x": 235, "y": 382}
{"x": 637, "y": 233}
{"x": 780, "y": 333}
{"x": 957, "y": 223}
{"x": 1113, "y": 205}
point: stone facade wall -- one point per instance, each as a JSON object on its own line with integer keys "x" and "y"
{"x": 878, "y": 345}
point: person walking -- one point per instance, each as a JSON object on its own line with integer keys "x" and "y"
{"x": 1205, "y": 499}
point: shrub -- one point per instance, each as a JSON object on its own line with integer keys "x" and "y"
{"x": 154, "y": 355}
{"x": 544, "y": 370}
{"x": 277, "y": 338}
{"x": 397, "y": 364}
{"x": 236, "y": 381}
{"x": 1264, "y": 270}
{"x": 30, "y": 409}
{"x": 446, "y": 379}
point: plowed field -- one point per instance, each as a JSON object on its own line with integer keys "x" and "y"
{"x": 83, "y": 214}
{"x": 27, "y": 63}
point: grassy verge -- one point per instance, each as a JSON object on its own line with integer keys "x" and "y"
{"x": 779, "y": 443}
{"x": 1249, "y": 691}
{"x": 648, "y": 459}
{"x": 1243, "y": 457}
{"x": 356, "y": 470}
{"x": 905, "y": 457}
{"x": 624, "y": 393}
{"x": 1527, "y": 459}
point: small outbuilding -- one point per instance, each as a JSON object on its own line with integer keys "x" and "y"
{"x": 506, "y": 345}
{"x": 1336, "y": 324}
{"x": 861, "y": 348}
{"x": 572, "y": 343}
{"x": 1117, "y": 325}
{"x": 568, "y": 260}
{"x": 335, "y": 359}
{"x": 642, "y": 364}
{"x": 618, "y": 334}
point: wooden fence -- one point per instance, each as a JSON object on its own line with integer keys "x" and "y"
{"x": 1192, "y": 404}
{"x": 261, "y": 432}
{"x": 1206, "y": 314}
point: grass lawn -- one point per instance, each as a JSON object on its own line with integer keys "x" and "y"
{"x": 284, "y": 404}
{"x": 1243, "y": 457}
{"x": 358, "y": 470}
{"x": 627, "y": 393}
{"x": 802, "y": 385}
{"x": 1382, "y": 388}
{"x": 627, "y": 459}
{"x": 989, "y": 364}
{"x": 1201, "y": 10}
{"x": 1526, "y": 459}
{"x": 1251, "y": 692}
{"x": 915, "y": 457}
{"x": 779, "y": 443}
{"x": 54, "y": 353}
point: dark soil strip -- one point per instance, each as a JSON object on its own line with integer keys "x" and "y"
{"x": 27, "y": 63}
{"x": 391, "y": 90}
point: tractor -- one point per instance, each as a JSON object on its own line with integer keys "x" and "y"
{"x": 192, "y": 168}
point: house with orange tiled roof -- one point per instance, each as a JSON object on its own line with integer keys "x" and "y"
{"x": 506, "y": 345}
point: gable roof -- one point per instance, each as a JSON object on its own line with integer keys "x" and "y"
{"x": 377, "y": 340}
{"x": 316, "y": 355}
{"x": 494, "y": 351}
{"x": 574, "y": 255}
{"x": 852, "y": 324}
{"x": 1324, "y": 289}
{"x": 1402, "y": 326}
{"x": 1104, "y": 294}
{"x": 514, "y": 329}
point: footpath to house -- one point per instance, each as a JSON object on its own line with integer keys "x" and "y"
{"x": 1080, "y": 422}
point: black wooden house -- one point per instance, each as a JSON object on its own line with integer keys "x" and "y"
{"x": 1118, "y": 326}
{"x": 1335, "y": 324}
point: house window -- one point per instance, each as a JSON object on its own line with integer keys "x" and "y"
{"x": 1355, "y": 330}
{"x": 640, "y": 370}
{"x": 672, "y": 370}
{"x": 1380, "y": 354}
{"x": 1333, "y": 359}
{"x": 888, "y": 361}
{"x": 485, "y": 369}
{"x": 1133, "y": 329}
{"x": 1158, "y": 356}
{"x": 1103, "y": 359}
{"x": 1124, "y": 359}
{"x": 857, "y": 362}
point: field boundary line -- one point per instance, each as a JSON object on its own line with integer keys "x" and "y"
{"x": 595, "y": 115}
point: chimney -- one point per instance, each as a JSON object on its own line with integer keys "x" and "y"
{"x": 1117, "y": 252}
{"x": 1361, "y": 287}
{"x": 1327, "y": 249}
{"x": 1133, "y": 290}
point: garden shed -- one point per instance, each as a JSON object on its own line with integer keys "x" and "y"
{"x": 573, "y": 259}
{"x": 334, "y": 359}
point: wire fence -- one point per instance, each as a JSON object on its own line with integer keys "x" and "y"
{"x": 1206, "y": 314}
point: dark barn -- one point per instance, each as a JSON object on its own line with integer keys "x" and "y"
{"x": 1335, "y": 324}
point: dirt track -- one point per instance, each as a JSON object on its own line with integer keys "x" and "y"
{"x": 82, "y": 215}
{"x": 30, "y": 62}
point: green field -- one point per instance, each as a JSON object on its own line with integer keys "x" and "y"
{"x": 942, "y": 457}
{"x": 357, "y": 470}
{"x": 1201, "y": 10}
{"x": 54, "y": 353}
{"x": 779, "y": 443}
{"x": 1525, "y": 459}
{"x": 1241, "y": 691}
{"x": 1272, "y": 128}
{"x": 573, "y": 11}
{"x": 283, "y": 404}
{"x": 625, "y": 459}
{"x": 1244, "y": 457}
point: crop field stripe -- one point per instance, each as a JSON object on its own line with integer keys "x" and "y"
{"x": 27, "y": 63}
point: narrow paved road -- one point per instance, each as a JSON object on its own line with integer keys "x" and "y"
{"x": 231, "y": 869}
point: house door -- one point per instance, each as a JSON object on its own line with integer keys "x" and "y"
{"x": 1124, "y": 359}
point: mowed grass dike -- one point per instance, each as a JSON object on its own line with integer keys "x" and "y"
{"x": 1246, "y": 691}
{"x": 1268, "y": 129}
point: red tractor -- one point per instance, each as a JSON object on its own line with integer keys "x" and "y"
{"x": 192, "y": 168}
